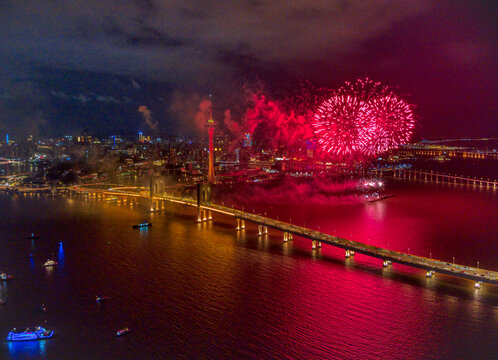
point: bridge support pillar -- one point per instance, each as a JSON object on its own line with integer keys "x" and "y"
{"x": 260, "y": 230}
{"x": 429, "y": 273}
{"x": 286, "y": 237}
{"x": 241, "y": 224}
{"x": 199, "y": 215}
{"x": 478, "y": 284}
{"x": 265, "y": 229}
{"x": 210, "y": 215}
{"x": 313, "y": 244}
{"x": 319, "y": 244}
{"x": 348, "y": 254}
{"x": 385, "y": 263}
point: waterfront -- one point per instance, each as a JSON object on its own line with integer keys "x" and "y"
{"x": 202, "y": 290}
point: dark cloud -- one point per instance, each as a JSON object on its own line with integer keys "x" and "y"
{"x": 425, "y": 46}
{"x": 271, "y": 31}
{"x": 149, "y": 36}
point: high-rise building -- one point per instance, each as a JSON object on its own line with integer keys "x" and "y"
{"x": 247, "y": 142}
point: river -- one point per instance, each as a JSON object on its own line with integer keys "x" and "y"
{"x": 205, "y": 291}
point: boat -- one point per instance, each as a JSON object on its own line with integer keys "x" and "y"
{"x": 38, "y": 333}
{"x": 143, "y": 224}
{"x": 50, "y": 263}
{"x": 376, "y": 197}
{"x": 101, "y": 299}
{"x": 441, "y": 158}
{"x": 122, "y": 331}
{"x": 5, "y": 276}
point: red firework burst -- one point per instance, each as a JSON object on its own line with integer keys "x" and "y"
{"x": 339, "y": 125}
{"x": 391, "y": 123}
{"x": 363, "y": 118}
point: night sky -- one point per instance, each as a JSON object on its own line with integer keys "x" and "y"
{"x": 68, "y": 65}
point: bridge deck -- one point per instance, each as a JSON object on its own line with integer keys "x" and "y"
{"x": 462, "y": 271}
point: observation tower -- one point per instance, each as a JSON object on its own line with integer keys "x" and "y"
{"x": 210, "y": 127}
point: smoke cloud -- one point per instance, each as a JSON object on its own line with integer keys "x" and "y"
{"x": 191, "y": 111}
{"x": 272, "y": 126}
{"x": 202, "y": 114}
{"x": 147, "y": 117}
{"x": 231, "y": 125}
{"x": 293, "y": 192}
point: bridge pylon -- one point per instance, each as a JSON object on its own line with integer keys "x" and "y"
{"x": 204, "y": 197}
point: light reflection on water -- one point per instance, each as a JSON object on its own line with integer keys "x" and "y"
{"x": 60, "y": 255}
{"x": 28, "y": 349}
{"x": 205, "y": 290}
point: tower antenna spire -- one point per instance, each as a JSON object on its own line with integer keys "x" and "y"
{"x": 210, "y": 126}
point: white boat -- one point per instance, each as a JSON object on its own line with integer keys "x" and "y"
{"x": 50, "y": 263}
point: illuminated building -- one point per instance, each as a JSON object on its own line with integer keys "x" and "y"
{"x": 210, "y": 126}
{"x": 247, "y": 142}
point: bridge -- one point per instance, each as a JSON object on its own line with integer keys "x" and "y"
{"x": 437, "y": 177}
{"x": 205, "y": 211}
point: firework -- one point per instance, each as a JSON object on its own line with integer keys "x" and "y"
{"x": 391, "y": 123}
{"x": 339, "y": 125}
{"x": 362, "y": 118}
